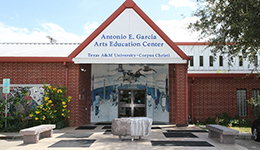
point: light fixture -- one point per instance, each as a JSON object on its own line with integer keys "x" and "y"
{"x": 83, "y": 70}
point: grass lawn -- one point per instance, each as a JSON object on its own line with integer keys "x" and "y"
{"x": 242, "y": 129}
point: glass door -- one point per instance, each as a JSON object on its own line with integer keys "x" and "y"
{"x": 125, "y": 103}
{"x": 132, "y": 103}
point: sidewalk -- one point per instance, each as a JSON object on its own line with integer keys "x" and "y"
{"x": 101, "y": 138}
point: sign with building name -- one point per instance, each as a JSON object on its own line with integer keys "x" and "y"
{"x": 125, "y": 41}
{"x": 117, "y": 41}
{"x": 128, "y": 39}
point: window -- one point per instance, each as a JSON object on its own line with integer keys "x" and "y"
{"x": 191, "y": 61}
{"x": 221, "y": 61}
{"x": 201, "y": 61}
{"x": 211, "y": 60}
{"x": 241, "y": 103}
{"x": 240, "y": 61}
{"x": 255, "y": 94}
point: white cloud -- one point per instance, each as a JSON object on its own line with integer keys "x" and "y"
{"x": 38, "y": 35}
{"x": 52, "y": 28}
{"x": 177, "y": 30}
{"x": 165, "y": 7}
{"x": 90, "y": 27}
{"x": 183, "y": 3}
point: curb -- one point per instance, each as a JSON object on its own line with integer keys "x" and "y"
{"x": 244, "y": 136}
{"x": 241, "y": 136}
{"x": 10, "y": 136}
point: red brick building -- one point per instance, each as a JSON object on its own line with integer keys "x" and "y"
{"x": 129, "y": 67}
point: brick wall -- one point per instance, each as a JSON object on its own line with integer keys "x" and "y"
{"x": 50, "y": 73}
{"x": 210, "y": 95}
{"x": 73, "y": 91}
{"x": 33, "y": 73}
{"x": 85, "y": 92}
{"x": 177, "y": 93}
{"x": 218, "y": 95}
{"x": 172, "y": 92}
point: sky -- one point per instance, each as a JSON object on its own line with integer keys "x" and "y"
{"x": 72, "y": 21}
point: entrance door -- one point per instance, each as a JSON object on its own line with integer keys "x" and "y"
{"x": 132, "y": 103}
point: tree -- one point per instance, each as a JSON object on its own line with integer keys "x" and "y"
{"x": 255, "y": 103}
{"x": 232, "y": 28}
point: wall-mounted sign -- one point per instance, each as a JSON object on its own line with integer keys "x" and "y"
{"x": 128, "y": 39}
{"x": 118, "y": 41}
{"x": 6, "y": 86}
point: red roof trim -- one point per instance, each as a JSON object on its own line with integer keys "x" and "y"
{"x": 129, "y": 4}
{"x": 220, "y": 75}
{"x": 35, "y": 59}
{"x": 192, "y": 43}
{"x": 160, "y": 33}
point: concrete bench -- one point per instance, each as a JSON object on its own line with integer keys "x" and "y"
{"x": 225, "y": 134}
{"x": 32, "y": 135}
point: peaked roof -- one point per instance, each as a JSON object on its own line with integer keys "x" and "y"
{"x": 125, "y": 5}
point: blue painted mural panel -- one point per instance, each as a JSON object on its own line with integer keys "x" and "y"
{"x": 107, "y": 80}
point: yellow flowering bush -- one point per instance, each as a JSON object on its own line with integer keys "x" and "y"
{"x": 54, "y": 108}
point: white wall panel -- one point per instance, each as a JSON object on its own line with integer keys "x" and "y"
{"x": 200, "y": 50}
{"x": 130, "y": 26}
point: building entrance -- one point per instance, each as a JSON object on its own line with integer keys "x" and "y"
{"x": 130, "y": 90}
{"x": 132, "y": 103}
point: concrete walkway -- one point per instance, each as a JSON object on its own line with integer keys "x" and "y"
{"x": 69, "y": 138}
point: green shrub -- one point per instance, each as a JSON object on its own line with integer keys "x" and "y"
{"x": 211, "y": 120}
{"x": 54, "y": 109}
{"x": 13, "y": 125}
{"x": 225, "y": 119}
{"x": 17, "y": 116}
{"x": 245, "y": 122}
{"x": 2, "y": 113}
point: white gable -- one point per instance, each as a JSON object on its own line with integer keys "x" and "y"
{"x": 128, "y": 39}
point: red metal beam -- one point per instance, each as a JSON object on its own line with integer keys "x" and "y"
{"x": 35, "y": 59}
{"x": 220, "y": 75}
